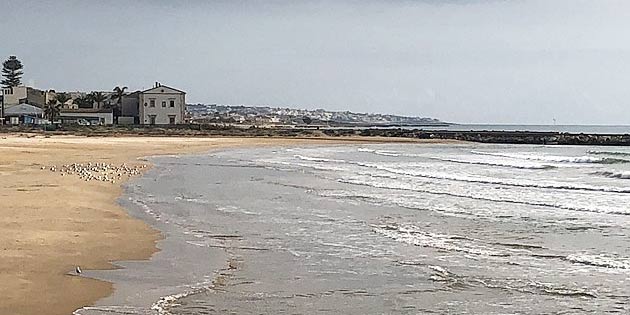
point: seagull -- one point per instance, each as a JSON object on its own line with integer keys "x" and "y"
{"x": 78, "y": 270}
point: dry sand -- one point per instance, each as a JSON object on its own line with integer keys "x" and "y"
{"x": 51, "y": 223}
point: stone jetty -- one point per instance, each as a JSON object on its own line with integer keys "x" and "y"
{"x": 509, "y": 137}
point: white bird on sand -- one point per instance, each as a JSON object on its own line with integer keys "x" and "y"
{"x": 78, "y": 270}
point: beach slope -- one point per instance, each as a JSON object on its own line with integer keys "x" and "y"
{"x": 50, "y": 223}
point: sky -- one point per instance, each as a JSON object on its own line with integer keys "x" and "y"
{"x": 467, "y": 61}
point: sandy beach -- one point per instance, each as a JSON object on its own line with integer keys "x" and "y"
{"x": 53, "y": 223}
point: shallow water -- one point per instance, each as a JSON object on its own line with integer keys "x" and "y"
{"x": 396, "y": 229}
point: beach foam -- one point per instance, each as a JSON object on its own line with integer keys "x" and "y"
{"x": 554, "y": 158}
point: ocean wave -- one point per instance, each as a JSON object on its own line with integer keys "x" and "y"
{"x": 535, "y": 287}
{"x": 317, "y": 159}
{"x": 380, "y": 152}
{"x": 554, "y": 158}
{"x": 617, "y": 153}
{"x": 414, "y": 235}
{"x": 441, "y": 274}
{"x": 164, "y": 304}
{"x": 293, "y": 164}
{"x": 183, "y": 197}
{"x": 505, "y": 182}
{"x": 619, "y": 175}
{"x": 113, "y": 310}
{"x": 533, "y": 166}
{"x": 146, "y": 209}
{"x": 601, "y": 260}
{"x": 409, "y": 187}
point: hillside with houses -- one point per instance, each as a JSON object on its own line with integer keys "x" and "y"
{"x": 264, "y": 115}
{"x": 161, "y": 105}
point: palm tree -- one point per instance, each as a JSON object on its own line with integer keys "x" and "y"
{"x": 118, "y": 95}
{"x": 62, "y": 98}
{"x": 98, "y": 98}
{"x": 84, "y": 102}
{"x": 52, "y": 110}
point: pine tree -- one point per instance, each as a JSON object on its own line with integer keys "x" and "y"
{"x": 12, "y": 72}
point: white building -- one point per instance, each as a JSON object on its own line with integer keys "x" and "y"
{"x": 162, "y": 105}
{"x": 23, "y": 114}
{"x": 94, "y": 116}
{"x": 23, "y": 95}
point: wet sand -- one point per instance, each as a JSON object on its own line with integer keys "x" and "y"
{"x": 51, "y": 223}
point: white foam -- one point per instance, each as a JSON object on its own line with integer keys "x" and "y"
{"x": 192, "y": 200}
{"x": 621, "y": 153}
{"x": 163, "y": 304}
{"x": 615, "y": 174}
{"x": 123, "y": 310}
{"x": 549, "y": 158}
{"x": 515, "y": 164}
{"x": 507, "y": 182}
{"x": 380, "y": 152}
{"x": 413, "y": 235}
{"x": 317, "y": 159}
{"x": 600, "y": 260}
{"x": 401, "y": 185}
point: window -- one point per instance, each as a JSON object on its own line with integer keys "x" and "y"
{"x": 163, "y": 103}
{"x": 152, "y": 102}
{"x": 172, "y": 103}
{"x": 171, "y": 119}
{"x": 152, "y": 119}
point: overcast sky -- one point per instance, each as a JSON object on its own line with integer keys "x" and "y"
{"x": 473, "y": 61}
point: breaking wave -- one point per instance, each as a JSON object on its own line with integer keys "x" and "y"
{"x": 601, "y": 260}
{"x": 618, "y": 153}
{"x": 505, "y": 182}
{"x": 533, "y": 166}
{"x": 619, "y": 175}
{"x": 413, "y": 235}
{"x": 409, "y": 187}
{"x": 379, "y": 152}
{"x": 555, "y": 158}
{"x": 441, "y": 274}
{"x": 317, "y": 159}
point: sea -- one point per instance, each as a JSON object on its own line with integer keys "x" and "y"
{"x": 455, "y": 228}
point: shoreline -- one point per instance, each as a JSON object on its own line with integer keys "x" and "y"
{"x": 53, "y": 223}
{"x": 394, "y": 134}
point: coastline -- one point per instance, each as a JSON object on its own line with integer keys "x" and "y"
{"x": 53, "y": 223}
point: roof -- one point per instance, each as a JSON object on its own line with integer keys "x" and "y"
{"x": 163, "y": 86}
{"x": 134, "y": 93}
{"x": 22, "y": 109}
{"x": 86, "y": 110}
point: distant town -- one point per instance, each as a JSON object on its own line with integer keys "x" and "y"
{"x": 265, "y": 115}
{"x": 161, "y": 105}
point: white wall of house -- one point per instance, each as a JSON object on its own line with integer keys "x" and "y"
{"x": 105, "y": 118}
{"x": 14, "y": 95}
{"x": 24, "y": 94}
{"x": 162, "y": 105}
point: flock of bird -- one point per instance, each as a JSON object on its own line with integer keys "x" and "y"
{"x": 103, "y": 172}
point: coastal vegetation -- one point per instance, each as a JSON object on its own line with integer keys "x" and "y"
{"x": 84, "y": 101}
{"x": 119, "y": 92}
{"x": 12, "y": 72}
{"x": 98, "y": 98}
{"x": 52, "y": 109}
